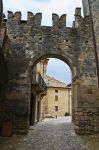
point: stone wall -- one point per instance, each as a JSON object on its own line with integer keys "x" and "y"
{"x": 26, "y": 43}
{"x": 90, "y": 8}
{"x": 86, "y": 89}
{"x": 94, "y": 8}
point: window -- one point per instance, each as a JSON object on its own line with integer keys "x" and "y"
{"x": 56, "y": 91}
{"x": 56, "y": 98}
{"x": 89, "y": 91}
{"x": 56, "y": 108}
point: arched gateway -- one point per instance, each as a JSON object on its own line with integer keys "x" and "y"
{"x": 23, "y": 43}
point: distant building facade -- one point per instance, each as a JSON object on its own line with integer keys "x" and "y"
{"x": 57, "y": 101}
{"x": 49, "y": 97}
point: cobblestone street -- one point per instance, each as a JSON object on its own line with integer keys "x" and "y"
{"x": 51, "y": 134}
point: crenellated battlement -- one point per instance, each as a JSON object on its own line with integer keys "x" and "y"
{"x": 16, "y": 17}
{"x": 59, "y": 22}
{"x": 34, "y": 20}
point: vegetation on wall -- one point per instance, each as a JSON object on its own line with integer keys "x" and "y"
{"x": 67, "y": 114}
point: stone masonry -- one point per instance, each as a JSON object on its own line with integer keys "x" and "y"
{"x": 24, "y": 43}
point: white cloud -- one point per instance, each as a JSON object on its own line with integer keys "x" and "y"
{"x": 47, "y": 7}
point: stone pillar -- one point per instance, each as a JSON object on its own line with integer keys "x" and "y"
{"x": 32, "y": 109}
{"x": 86, "y": 113}
{"x": 42, "y": 116}
{"x": 39, "y": 109}
{"x": 36, "y": 102}
{"x": 69, "y": 101}
{"x": 17, "y": 106}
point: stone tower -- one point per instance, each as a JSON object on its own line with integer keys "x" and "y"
{"x": 86, "y": 7}
{"x": 91, "y": 8}
{"x": 1, "y": 11}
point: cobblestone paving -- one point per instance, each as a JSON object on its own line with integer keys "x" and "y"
{"x": 51, "y": 134}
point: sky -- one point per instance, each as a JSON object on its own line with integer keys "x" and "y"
{"x": 59, "y": 70}
{"x": 47, "y": 7}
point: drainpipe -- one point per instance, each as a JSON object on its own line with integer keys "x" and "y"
{"x": 94, "y": 42}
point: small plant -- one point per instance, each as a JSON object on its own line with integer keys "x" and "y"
{"x": 67, "y": 114}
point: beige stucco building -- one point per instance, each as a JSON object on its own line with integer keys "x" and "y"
{"x": 57, "y": 101}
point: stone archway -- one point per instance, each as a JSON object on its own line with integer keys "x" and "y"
{"x": 38, "y": 58}
{"x": 29, "y": 41}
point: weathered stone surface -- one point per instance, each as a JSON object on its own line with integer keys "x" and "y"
{"x": 24, "y": 43}
{"x": 51, "y": 134}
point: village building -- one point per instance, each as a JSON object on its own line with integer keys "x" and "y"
{"x": 49, "y": 97}
{"x": 57, "y": 101}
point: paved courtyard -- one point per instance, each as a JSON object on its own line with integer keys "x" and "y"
{"x": 51, "y": 134}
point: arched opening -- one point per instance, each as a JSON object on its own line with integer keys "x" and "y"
{"x": 26, "y": 42}
{"x": 45, "y": 88}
